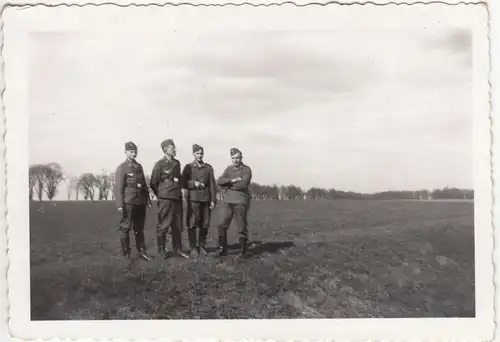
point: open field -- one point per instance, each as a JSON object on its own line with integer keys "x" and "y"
{"x": 313, "y": 259}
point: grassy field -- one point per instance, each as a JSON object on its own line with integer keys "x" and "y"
{"x": 313, "y": 259}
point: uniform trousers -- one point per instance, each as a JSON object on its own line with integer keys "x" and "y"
{"x": 198, "y": 217}
{"x": 238, "y": 212}
{"x": 133, "y": 217}
{"x": 170, "y": 219}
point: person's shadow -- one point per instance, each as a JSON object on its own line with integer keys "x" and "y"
{"x": 259, "y": 247}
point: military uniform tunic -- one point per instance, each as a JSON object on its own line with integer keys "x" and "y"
{"x": 132, "y": 195}
{"x": 198, "y": 200}
{"x": 236, "y": 201}
{"x": 166, "y": 183}
{"x": 131, "y": 186}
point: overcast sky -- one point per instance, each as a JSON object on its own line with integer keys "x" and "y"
{"x": 354, "y": 110}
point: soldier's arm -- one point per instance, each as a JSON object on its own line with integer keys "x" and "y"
{"x": 155, "y": 179}
{"x": 119, "y": 186}
{"x": 213, "y": 190}
{"x": 188, "y": 183}
{"x": 145, "y": 187}
{"x": 224, "y": 179}
{"x": 178, "y": 174}
{"x": 244, "y": 183}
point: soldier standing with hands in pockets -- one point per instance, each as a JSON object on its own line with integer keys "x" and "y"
{"x": 166, "y": 183}
{"x": 132, "y": 197}
{"x": 199, "y": 182}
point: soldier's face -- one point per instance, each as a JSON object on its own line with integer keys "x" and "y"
{"x": 170, "y": 150}
{"x": 131, "y": 154}
{"x": 198, "y": 155}
{"x": 236, "y": 159}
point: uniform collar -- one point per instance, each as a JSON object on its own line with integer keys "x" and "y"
{"x": 237, "y": 167}
{"x": 131, "y": 162}
{"x": 200, "y": 165}
{"x": 168, "y": 161}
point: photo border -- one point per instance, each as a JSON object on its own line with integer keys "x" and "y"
{"x": 16, "y": 28}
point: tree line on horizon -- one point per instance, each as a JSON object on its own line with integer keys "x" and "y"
{"x": 45, "y": 179}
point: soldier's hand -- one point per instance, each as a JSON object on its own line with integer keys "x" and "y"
{"x": 120, "y": 209}
{"x": 197, "y": 184}
{"x": 202, "y": 185}
{"x": 212, "y": 205}
{"x": 234, "y": 180}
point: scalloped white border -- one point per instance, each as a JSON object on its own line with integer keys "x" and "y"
{"x": 252, "y": 2}
{"x": 18, "y": 23}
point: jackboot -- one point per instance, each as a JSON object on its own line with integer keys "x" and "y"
{"x": 192, "y": 238}
{"x": 161, "y": 247}
{"x": 141, "y": 246}
{"x": 180, "y": 253}
{"x": 125, "y": 243}
{"x": 176, "y": 236}
{"x": 143, "y": 255}
{"x": 193, "y": 252}
{"x": 222, "y": 245}
{"x": 138, "y": 240}
{"x": 243, "y": 248}
{"x": 202, "y": 236}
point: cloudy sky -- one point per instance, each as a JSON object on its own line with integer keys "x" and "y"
{"x": 366, "y": 110}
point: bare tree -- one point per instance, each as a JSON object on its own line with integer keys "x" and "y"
{"x": 53, "y": 177}
{"x": 87, "y": 183}
{"x": 32, "y": 182}
{"x": 103, "y": 184}
{"x": 37, "y": 180}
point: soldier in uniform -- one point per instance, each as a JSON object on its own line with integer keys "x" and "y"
{"x": 132, "y": 197}
{"x": 166, "y": 183}
{"x": 235, "y": 180}
{"x": 199, "y": 182}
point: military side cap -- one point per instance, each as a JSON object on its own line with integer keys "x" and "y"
{"x": 166, "y": 143}
{"x": 234, "y": 150}
{"x": 129, "y": 145}
{"x": 197, "y": 148}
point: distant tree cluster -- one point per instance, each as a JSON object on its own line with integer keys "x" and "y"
{"x": 446, "y": 193}
{"x": 452, "y": 193}
{"x": 44, "y": 179}
{"x": 292, "y": 192}
{"x": 264, "y": 192}
{"x": 95, "y": 186}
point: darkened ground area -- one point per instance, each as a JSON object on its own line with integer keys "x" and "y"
{"x": 313, "y": 259}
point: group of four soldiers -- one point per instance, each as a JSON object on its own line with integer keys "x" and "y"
{"x": 196, "y": 183}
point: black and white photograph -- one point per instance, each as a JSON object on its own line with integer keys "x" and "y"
{"x": 217, "y": 164}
